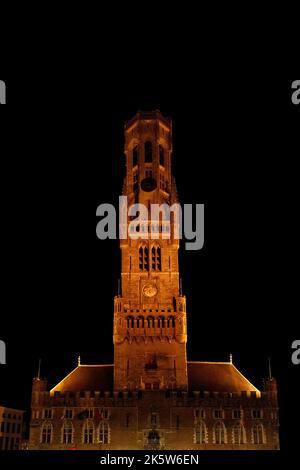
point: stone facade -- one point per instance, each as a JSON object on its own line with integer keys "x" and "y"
{"x": 11, "y": 428}
{"x": 152, "y": 397}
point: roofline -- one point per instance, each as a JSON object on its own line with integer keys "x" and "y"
{"x": 230, "y": 364}
{"x": 78, "y": 367}
{"x": 11, "y": 409}
{"x": 64, "y": 378}
{"x": 208, "y": 362}
{"x": 96, "y": 365}
{"x": 246, "y": 379}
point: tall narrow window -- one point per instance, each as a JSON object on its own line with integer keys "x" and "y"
{"x": 88, "y": 433}
{"x": 220, "y": 433}
{"x": 135, "y": 156}
{"x": 144, "y": 258}
{"x": 148, "y": 152}
{"x": 46, "y": 435}
{"x": 258, "y": 434}
{"x": 130, "y": 322}
{"x": 200, "y": 433}
{"x": 161, "y": 155}
{"x": 156, "y": 258}
{"x": 238, "y": 433}
{"x": 67, "y": 433}
{"x": 104, "y": 433}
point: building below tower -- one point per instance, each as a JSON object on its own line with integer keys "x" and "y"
{"x": 221, "y": 410}
{"x": 152, "y": 397}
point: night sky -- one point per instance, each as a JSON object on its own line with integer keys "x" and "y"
{"x": 234, "y": 150}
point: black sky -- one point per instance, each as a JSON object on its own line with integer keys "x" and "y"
{"x": 234, "y": 150}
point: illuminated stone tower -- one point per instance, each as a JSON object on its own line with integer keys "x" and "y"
{"x": 150, "y": 312}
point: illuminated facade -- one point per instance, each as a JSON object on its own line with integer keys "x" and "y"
{"x": 152, "y": 397}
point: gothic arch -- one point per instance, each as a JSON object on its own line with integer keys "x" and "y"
{"x": 219, "y": 433}
{"x": 130, "y": 321}
{"x": 200, "y": 433}
{"x": 150, "y": 322}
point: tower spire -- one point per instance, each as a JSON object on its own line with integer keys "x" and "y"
{"x": 270, "y": 368}
{"x": 39, "y": 370}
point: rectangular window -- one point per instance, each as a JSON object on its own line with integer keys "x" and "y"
{"x": 237, "y": 414}
{"x": 104, "y": 413}
{"x": 90, "y": 413}
{"x": 104, "y": 433}
{"x": 148, "y": 152}
{"x": 69, "y": 413}
{"x": 257, "y": 414}
{"x": 46, "y": 434}
{"x": 200, "y": 413}
{"x": 67, "y": 435}
{"x": 219, "y": 414}
{"x": 161, "y": 156}
{"x": 88, "y": 436}
{"x": 47, "y": 413}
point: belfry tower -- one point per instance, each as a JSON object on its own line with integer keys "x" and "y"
{"x": 150, "y": 311}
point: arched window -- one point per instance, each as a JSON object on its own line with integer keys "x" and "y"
{"x": 67, "y": 433}
{"x": 130, "y": 322}
{"x": 88, "y": 432}
{"x": 161, "y": 155}
{"x": 104, "y": 433}
{"x": 148, "y": 152}
{"x": 156, "y": 258}
{"x": 150, "y": 322}
{"x": 257, "y": 432}
{"x": 201, "y": 433}
{"x": 135, "y": 156}
{"x": 140, "y": 322}
{"x": 144, "y": 258}
{"x": 171, "y": 322}
{"x": 46, "y": 433}
{"x": 161, "y": 322}
{"x": 238, "y": 434}
{"x": 220, "y": 433}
